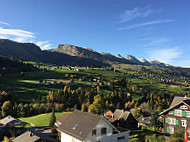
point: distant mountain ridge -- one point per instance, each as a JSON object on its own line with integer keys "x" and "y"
{"x": 66, "y": 54}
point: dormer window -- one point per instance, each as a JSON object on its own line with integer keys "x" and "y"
{"x": 183, "y": 107}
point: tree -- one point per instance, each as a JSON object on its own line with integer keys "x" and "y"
{"x": 52, "y": 118}
{"x": 98, "y": 106}
{"x": 6, "y": 108}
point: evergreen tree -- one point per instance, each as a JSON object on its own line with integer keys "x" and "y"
{"x": 52, "y": 118}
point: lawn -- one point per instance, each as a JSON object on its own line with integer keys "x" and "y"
{"x": 41, "y": 120}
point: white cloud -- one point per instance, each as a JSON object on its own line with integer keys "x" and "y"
{"x": 44, "y": 45}
{"x": 155, "y": 42}
{"x": 17, "y": 33}
{"x": 166, "y": 55}
{"x": 4, "y": 23}
{"x": 146, "y": 24}
{"x": 128, "y": 15}
{"x": 137, "y": 12}
{"x": 20, "y": 35}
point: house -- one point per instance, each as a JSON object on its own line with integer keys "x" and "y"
{"x": 10, "y": 121}
{"x": 81, "y": 70}
{"x": 86, "y": 127}
{"x": 144, "y": 121}
{"x": 40, "y": 81}
{"x": 70, "y": 68}
{"x": 122, "y": 119}
{"x": 54, "y": 83}
{"x": 177, "y": 115}
{"x": 34, "y": 137}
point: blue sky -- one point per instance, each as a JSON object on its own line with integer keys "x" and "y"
{"x": 153, "y": 29}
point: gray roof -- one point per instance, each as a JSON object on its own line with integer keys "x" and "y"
{"x": 121, "y": 114}
{"x": 177, "y": 101}
{"x": 9, "y": 119}
{"x": 79, "y": 124}
{"x": 33, "y": 137}
{"x": 63, "y": 117}
{"x": 144, "y": 120}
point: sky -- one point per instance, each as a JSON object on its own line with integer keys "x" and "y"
{"x": 153, "y": 29}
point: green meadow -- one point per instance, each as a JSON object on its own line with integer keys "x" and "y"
{"x": 41, "y": 120}
{"x": 27, "y": 87}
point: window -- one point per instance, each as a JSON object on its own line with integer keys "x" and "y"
{"x": 94, "y": 132}
{"x": 103, "y": 131}
{"x": 171, "y": 130}
{"x": 183, "y": 107}
{"x": 172, "y": 121}
{"x": 120, "y": 138}
{"x": 188, "y": 113}
{"x": 184, "y": 123}
{"x": 171, "y": 112}
{"x": 178, "y": 112}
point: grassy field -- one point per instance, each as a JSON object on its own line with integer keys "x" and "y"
{"x": 28, "y": 87}
{"x": 41, "y": 120}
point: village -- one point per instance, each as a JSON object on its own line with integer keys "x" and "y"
{"x": 79, "y": 126}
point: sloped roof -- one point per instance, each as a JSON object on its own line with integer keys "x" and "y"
{"x": 8, "y": 119}
{"x": 144, "y": 120}
{"x": 177, "y": 101}
{"x": 109, "y": 113}
{"x": 33, "y": 137}
{"x": 120, "y": 114}
{"x": 63, "y": 117}
{"x": 79, "y": 124}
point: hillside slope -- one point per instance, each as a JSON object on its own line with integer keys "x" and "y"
{"x": 32, "y": 52}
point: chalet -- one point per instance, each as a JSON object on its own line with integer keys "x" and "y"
{"x": 81, "y": 70}
{"x": 144, "y": 121}
{"x": 48, "y": 84}
{"x": 86, "y": 127}
{"x": 177, "y": 115}
{"x": 34, "y": 137}
{"x": 122, "y": 119}
{"x": 70, "y": 68}
{"x": 54, "y": 83}
{"x": 10, "y": 121}
{"x": 40, "y": 81}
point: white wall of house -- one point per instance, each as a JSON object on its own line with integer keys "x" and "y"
{"x": 68, "y": 138}
{"x": 109, "y": 137}
{"x": 98, "y": 137}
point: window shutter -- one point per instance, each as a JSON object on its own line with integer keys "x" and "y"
{"x": 168, "y": 129}
{"x": 184, "y": 113}
{"x": 177, "y": 122}
{"x": 167, "y": 120}
{"x": 173, "y": 112}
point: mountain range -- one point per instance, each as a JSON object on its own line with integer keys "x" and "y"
{"x": 66, "y": 54}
